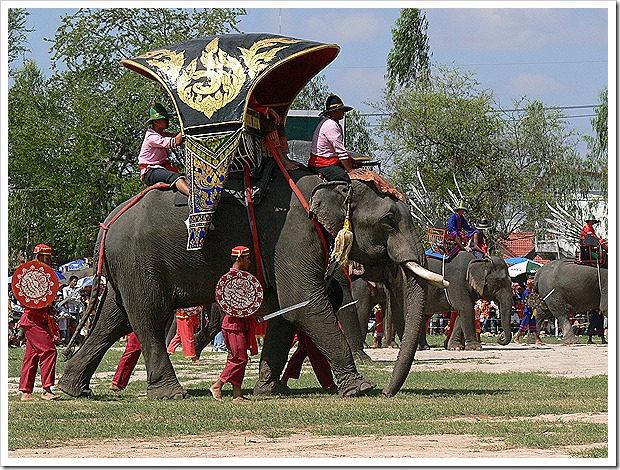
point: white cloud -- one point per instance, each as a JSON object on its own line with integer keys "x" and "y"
{"x": 534, "y": 85}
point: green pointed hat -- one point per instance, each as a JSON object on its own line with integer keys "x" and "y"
{"x": 461, "y": 206}
{"x": 158, "y": 112}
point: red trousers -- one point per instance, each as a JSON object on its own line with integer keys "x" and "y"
{"x": 306, "y": 347}
{"x": 40, "y": 349}
{"x": 186, "y": 328}
{"x": 128, "y": 361}
{"x": 237, "y": 343}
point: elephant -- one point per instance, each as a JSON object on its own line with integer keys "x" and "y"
{"x": 470, "y": 278}
{"x": 150, "y": 273}
{"x": 568, "y": 287}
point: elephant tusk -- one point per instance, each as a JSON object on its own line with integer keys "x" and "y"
{"x": 433, "y": 278}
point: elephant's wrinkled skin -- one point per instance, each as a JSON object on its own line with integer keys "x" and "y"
{"x": 577, "y": 290}
{"x": 150, "y": 273}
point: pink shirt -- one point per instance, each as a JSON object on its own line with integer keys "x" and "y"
{"x": 155, "y": 149}
{"x": 328, "y": 140}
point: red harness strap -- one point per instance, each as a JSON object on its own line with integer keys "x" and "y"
{"x": 299, "y": 195}
{"x": 248, "y": 196}
{"x": 122, "y": 211}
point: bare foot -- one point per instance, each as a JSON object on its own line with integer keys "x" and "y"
{"x": 115, "y": 388}
{"x": 290, "y": 165}
{"x": 216, "y": 392}
{"x": 28, "y": 397}
{"x": 49, "y": 396}
{"x": 196, "y": 361}
{"x": 241, "y": 399}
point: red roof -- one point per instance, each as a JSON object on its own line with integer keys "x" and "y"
{"x": 518, "y": 245}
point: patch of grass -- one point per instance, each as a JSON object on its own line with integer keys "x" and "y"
{"x": 430, "y": 402}
{"x": 593, "y": 453}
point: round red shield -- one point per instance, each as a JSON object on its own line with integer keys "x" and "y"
{"x": 239, "y": 293}
{"x": 35, "y": 284}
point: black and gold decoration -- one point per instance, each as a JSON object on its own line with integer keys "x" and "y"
{"x": 210, "y": 81}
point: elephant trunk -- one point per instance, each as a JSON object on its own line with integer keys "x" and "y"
{"x": 505, "y": 312}
{"x": 415, "y": 321}
{"x": 434, "y": 279}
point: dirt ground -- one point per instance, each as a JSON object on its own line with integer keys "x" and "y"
{"x": 303, "y": 448}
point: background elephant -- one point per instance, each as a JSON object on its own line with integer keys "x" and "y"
{"x": 150, "y": 273}
{"x": 470, "y": 279}
{"x": 576, "y": 288}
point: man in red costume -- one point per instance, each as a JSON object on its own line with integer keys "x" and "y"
{"x": 187, "y": 321}
{"x": 322, "y": 369}
{"x": 128, "y": 362}
{"x": 239, "y": 336}
{"x": 39, "y": 328}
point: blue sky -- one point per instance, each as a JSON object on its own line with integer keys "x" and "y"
{"x": 556, "y": 55}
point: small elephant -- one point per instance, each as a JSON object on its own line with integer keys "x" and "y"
{"x": 150, "y": 274}
{"x": 568, "y": 288}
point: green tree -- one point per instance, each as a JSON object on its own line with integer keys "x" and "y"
{"x": 18, "y": 33}
{"x": 409, "y": 60}
{"x": 87, "y": 120}
{"x": 506, "y": 164}
{"x": 598, "y": 145}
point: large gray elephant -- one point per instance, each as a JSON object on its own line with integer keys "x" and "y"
{"x": 150, "y": 273}
{"x": 470, "y": 278}
{"x": 569, "y": 288}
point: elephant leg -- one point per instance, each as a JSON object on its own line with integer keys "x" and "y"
{"x": 567, "y": 330}
{"x": 109, "y": 327}
{"x": 149, "y": 320}
{"x": 456, "y": 342}
{"x": 467, "y": 324}
{"x": 349, "y": 323}
{"x": 278, "y": 340}
{"x": 322, "y": 328}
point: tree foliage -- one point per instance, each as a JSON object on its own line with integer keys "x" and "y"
{"x": 598, "y": 144}
{"x": 507, "y": 164}
{"x": 409, "y": 60}
{"x": 17, "y": 33}
{"x": 74, "y": 137}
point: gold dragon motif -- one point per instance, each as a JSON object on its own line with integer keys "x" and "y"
{"x": 255, "y": 60}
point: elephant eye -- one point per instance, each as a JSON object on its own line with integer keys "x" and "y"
{"x": 389, "y": 222}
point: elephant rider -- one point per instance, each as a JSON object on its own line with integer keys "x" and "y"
{"x": 239, "y": 336}
{"x": 528, "y": 322}
{"x": 459, "y": 228}
{"x": 328, "y": 155}
{"x": 154, "y": 158}
{"x": 39, "y": 328}
{"x": 478, "y": 244}
{"x": 588, "y": 230}
{"x": 274, "y": 125}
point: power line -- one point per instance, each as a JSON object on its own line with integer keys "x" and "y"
{"x": 483, "y": 64}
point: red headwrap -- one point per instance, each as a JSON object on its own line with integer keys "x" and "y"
{"x": 42, "y": 249}
{"x": 240, "y": 251}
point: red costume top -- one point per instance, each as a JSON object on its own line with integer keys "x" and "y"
{"x": 589, "y": 230}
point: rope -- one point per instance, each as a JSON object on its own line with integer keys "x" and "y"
{"x": 300, "y": 196}
{"x": 254, "y": 229}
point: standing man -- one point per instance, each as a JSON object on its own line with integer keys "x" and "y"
{"x": 187, "y": 321}
{"x": 128, "y": 362}
{"x": 39, "y": 328}
{"x": 459, "y": 228}
{"x": 528, "y": 322}
{"x": 239, "y": 336}
{"x": 328, "y": 155}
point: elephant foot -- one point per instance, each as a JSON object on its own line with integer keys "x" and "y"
{"x": 272, "y": 388}
{"x": 473, "y": 346}
{"x": 455, "y": 346}
{"x": 423, "y": 347}
{"x": 393, "y": 345}
{"x": 361, "y": 357}
{"x": 570, "y": 340}
{"x": 163, "y": 393}
{"x": 355, "y": 387}
{"x": 74, "y": 389}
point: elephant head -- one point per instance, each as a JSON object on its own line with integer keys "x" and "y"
{"x": 383, "y": 235}
{"x": 490, "y": 279}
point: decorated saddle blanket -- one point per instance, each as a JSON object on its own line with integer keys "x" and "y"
{"x": 382, "y": 185}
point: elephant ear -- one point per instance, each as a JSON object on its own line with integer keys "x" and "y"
{"x": 477, "y": 272}
{"x": 327, "y": 205}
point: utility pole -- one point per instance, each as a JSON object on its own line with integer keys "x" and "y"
{"x": 280, "y": 20}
